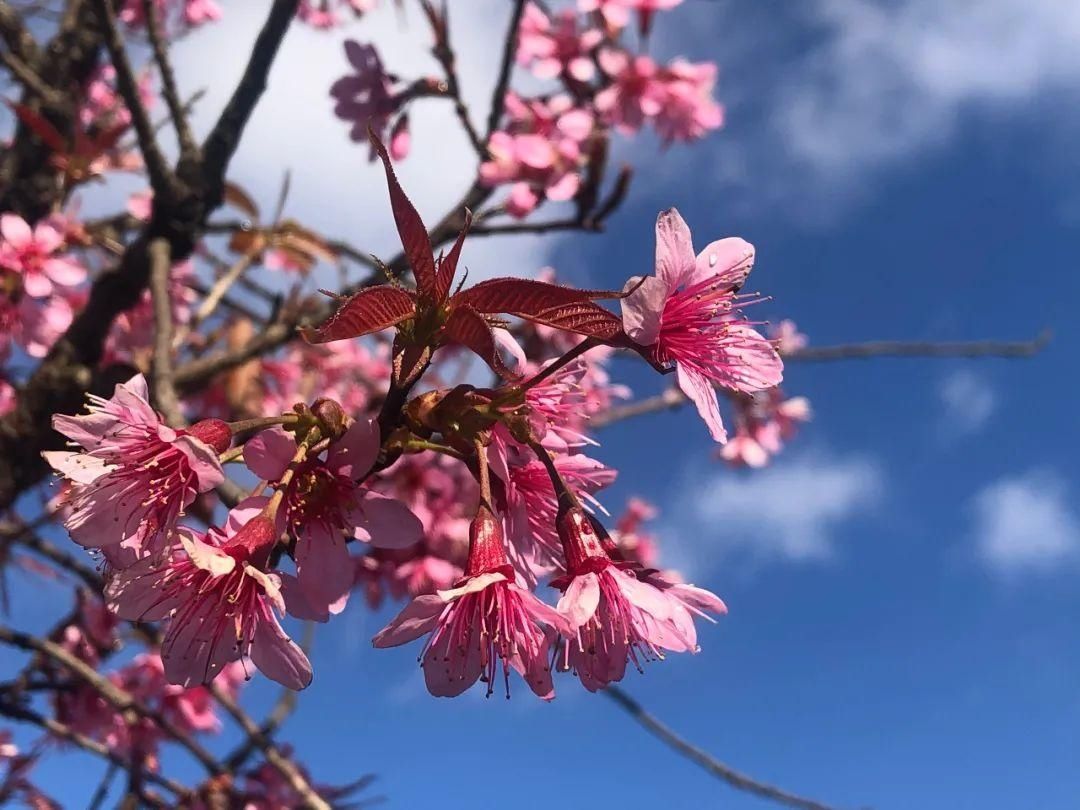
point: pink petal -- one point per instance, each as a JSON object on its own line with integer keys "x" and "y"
{"x": 417, "y": 619}
{"x": 47, "y": 238}
{"x": 269, "y": 453}
{"x": 534, "y": 151}
{"x": 506, "y": 342}
{"x": 203, "y": 460}
{"x": 205, "y": 556}
{"x": 758, "y": 363}
{"x": 643, "y": 309}
{"x": 730, "y": 259}
{"x": 323, "y": 564}
{"x": 581, "y": 599}
{"x": 65, "y": 272}
{"x": 354, "y": 454}
{"x": 37, "y": 285}
{"x": 386, "y": 522}
{"x": 278, "y": 657}
{"x": 703, "y": 395}
{"x": 82, "y": 468}
{"x": 15, "y": 231}
{"x": 675, "y": 260}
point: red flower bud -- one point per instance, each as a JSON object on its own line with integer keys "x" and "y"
{"x": 213, "y": 432}
{"x": 253, "y": 542}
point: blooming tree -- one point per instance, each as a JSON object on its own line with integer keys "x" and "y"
{"x": 220, "y": 464}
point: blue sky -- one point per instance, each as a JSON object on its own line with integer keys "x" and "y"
{"x": 901, "y": 583}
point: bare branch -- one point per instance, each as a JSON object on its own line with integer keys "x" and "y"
{"x": 189, "y": 149}
{"x": 506, "y": 67}
{"x": 161, "y": 176}
{"x": 704, "y": 759}
{"x": 164, "y": 388}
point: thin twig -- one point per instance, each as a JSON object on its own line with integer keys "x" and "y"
{"x": 118, "y": 698}
{"x": 218, "y": 290}
{"x": 164, "y": 386}
{"x": 704, "y": 759}
{"x": 25, "y": 74}
{"x": 900, "y": 348}
{"x": 673, "y": 398}
{"x": 161, "y": 177}
{"x": 67, "y": 734}
{"x": 506, "y": 67}
{"x": 188, "y": 147}
{"x": 440, "y": 28}
{"x": 285, "y": 766}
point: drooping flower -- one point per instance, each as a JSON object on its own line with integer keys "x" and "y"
{"x": 324, "y": 503}
{"x": 220, "y": 601}
{"x": 485, "y": 621}
{"x": 687, "y": 316}
{"x": 614, "y": 616}
{"x": 134, "y": 475}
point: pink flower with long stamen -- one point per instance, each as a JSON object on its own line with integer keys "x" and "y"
{"x": 33, "y": 255}
{"x": 687, "y": 316}
{"x": 324, "y": 504}
{"x": 485, "y": 620}
{"x": 614, "y": 617}
{"x": 220, "y": 602}
{"x": 135, "y": 475}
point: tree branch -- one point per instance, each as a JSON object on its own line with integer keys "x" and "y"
{"x": 705, "y": 760}
{"x": 189, "y": 149}
{"x": 164, "y": 387}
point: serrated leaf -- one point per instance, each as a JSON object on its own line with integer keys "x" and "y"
{"x": 411, "y": 229}
{"x": 467, "y": 327}
{"x": 368, "y": 311}
{"x": 524, "y": 297}
{"x": 40, "y": 127}
{"x": 447, "y": 267}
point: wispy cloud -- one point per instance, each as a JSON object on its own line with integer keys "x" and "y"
{"x": 787, "y": 512}
{"x": 1025, "y": 523}
{"x": 968, "y": 400}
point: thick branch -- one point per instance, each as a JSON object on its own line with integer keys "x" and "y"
{"x": 705, "y": 760}
{"x": 164, "y": 386}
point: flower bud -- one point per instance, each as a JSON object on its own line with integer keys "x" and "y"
{"x": 213, "y": 432}
{"x": 331, "y": 417}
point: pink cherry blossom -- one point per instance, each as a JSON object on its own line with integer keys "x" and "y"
{"x": 614, "y": 617}
{"x": 220, "y": 602}
{"x": 367, "y": 98}
{"x": 677, "y": 98}
{"x": 33, "y": 255}
{"x": 687, "y": 316}
{"x": 552, "y": 46}
{"x": 134, "y": 475}
{"x": 141, "y": 204}
{"x": 531, "y": 509}
{"x": 486, "y": 619}
{"x": 133, "y": 330}
{"x": 35, "y": 324}
{"x": 763, "y": 422}
{"x": 540, "y": 151}
{"x": 192, "y": 12}
{"x": 324, "y": 504}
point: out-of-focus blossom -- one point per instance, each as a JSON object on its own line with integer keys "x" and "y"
{"x": 552, "y": 46}
{"x": 787, "y": 337}
{"x": 367, "y": 99}
{"x": 763, "y": 422}
{"x": 35, "y": 255}
{"x": 676, "y": 99}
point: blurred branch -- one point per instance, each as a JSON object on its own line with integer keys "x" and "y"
{"x": 704, "y": 759}
{"x": 188, "y": 148}
{"x": 506, "y": 67}
{"x": 899, "y": 348}
{"x": 164, "y": 386}
{"x": 674, "y": 398}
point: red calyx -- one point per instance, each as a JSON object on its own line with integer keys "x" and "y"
{"x": 487, "y": 549}
{"x": 582, "y": 541}
{"x": 213, "y": 432}
{"x": 254, "y": 541}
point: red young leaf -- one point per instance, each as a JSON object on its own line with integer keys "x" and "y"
{"x": 467, "y": 327}
{"x": 40, "y": 127}
{"x": 370, "y": 310}
{"x": 582, "y": 317}
{"x": 444, "y": 275}
{"x": 414, "y": 236}
{"x": 524, "y": 297}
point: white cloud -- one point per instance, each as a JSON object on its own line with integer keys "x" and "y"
{"x": 892, "y": 79}
{"x": 969, "y": 402}
{"x": 1025, "y": 523}
{"x": 788, "y": 511}
{"x": 334, "y": 187}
